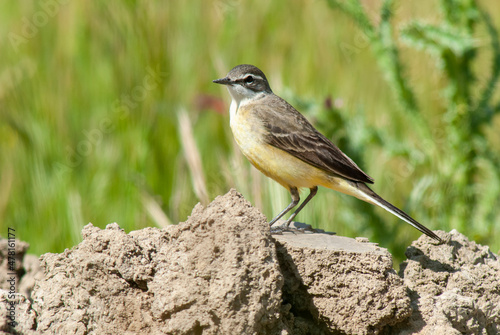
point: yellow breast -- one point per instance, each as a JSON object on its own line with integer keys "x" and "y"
{"x": 249, "y": 133}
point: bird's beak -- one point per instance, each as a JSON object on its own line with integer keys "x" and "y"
{"x": 223, "y": 81}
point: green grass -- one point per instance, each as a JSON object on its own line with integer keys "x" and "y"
{"x": 90, "y": 96}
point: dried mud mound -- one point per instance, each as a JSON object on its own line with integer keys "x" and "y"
{"x": 210, "y": 275}
{"x": 455, "y": 288}
{"x": 345, "y": 286}
{"x": 221, "y": 272}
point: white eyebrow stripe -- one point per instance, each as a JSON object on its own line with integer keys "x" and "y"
{"x": 256, "y": 76}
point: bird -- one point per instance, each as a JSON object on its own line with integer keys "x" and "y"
{"x": 281, "y": 143}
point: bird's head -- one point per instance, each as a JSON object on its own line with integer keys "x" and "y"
{"x": 245, "y": 82}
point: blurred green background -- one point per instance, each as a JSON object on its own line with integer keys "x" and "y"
{"x": 108, "y": 112}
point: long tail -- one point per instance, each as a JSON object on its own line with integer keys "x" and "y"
{"x": 375, "y": 199}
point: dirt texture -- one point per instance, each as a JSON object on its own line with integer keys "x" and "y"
{"x": 209, "y": 275}
{"x": 16, "y": 283}
{"x": 221, "y": 272}
{"x": 340, "y": 284}
{"x": 26, "y": 267}
{"x": 454, "y": 288}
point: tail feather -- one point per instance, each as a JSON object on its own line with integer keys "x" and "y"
{"x": 375, "y": 199}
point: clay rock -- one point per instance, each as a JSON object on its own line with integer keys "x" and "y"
{"x": 454, "y": 287}
{"x": 221, "y": 270}
{"x": 343, "y": 284}
{"x": 216, "y": 273}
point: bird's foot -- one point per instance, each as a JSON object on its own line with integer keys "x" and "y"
{"x": 293, "y": 227}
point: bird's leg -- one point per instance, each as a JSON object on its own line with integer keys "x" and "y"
{"x": 313, "y": 192}
{"x": 295, "y": 200}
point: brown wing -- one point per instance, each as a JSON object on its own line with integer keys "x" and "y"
{"x": 291, "y": 132}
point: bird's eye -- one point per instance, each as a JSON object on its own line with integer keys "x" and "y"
{"x": 249, "y": 80}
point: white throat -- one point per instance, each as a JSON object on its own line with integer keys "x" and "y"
{"x": 240, "y": 97}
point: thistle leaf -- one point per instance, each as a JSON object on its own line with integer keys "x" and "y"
{"x": 437, "y": 39}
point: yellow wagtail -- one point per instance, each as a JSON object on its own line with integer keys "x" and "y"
{"x": 282, "y": 144}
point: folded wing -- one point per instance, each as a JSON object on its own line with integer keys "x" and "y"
{"x": 291, "y": 132}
